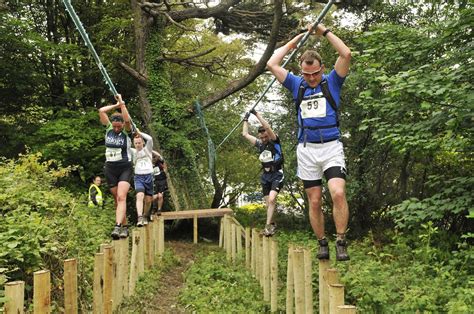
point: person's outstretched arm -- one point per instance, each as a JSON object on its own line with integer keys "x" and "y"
{"x": 343, "y": 62}
{"x": 273, "y": 63}
{"x": 245, "y": 130}
{"x": 265, "y": 125}
{"x": 149, "y": 141}
{"x": 104, "y": 118}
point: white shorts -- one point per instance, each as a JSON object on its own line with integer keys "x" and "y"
{"x": 315, "y": 158}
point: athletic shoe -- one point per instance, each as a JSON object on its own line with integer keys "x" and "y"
{"x": 323, "y": 252}
{"x": 158, "y": 212}
{"x": 116, "y": 232}
{"x": 124, "y": 232}
{"x": 140, "y": 221}
{"x": 145, "y": 220}
{"x": 269, "y": 230}
{"x": 152, "y": 216}
{"x": 341, "y": 250}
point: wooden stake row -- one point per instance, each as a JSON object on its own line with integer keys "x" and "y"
{"x": 111, "y": 274}
{"x": 261, "y": 255}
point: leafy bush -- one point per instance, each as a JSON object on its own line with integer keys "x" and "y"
{"x": 213, "y": 285}
{"x": 42, "y": 225}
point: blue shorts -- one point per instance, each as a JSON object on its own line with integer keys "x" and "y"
{"x": 144, "y": 183}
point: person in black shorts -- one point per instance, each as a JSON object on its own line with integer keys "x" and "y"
{"x": 160, "y": 183}
{"x": 118, "y": 165}
{"x": 271, "y": 157}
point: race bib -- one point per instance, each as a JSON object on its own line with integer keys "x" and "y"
{"x": 113, "y": 154}
{"x": 156, "y": 171}
{"x": 266, "y": 156}
{"x": 142, "y": 164}
{"x": 314, "y": 107}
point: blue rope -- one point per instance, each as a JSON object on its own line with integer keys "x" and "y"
{"x": 85, "y": 37}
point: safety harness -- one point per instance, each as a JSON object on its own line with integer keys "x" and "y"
{"x": 327, "y": 94}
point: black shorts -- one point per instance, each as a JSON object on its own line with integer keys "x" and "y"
{"x": 160, "y": 186}
{"x": 271, "y": 181}
{"x": 116, "y": 172}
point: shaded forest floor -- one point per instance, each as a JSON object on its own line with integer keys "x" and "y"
{"x": 172, "y": 281}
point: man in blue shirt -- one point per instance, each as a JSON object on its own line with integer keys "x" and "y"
{"x": 319, "y": 150}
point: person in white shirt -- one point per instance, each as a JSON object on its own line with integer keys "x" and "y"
{"x": 143, "y": 167}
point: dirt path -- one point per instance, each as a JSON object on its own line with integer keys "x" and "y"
{"x": 166, "y": 300}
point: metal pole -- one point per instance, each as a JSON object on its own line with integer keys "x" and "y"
{"x": 300, "y": 43}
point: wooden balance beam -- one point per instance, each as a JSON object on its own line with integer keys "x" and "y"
{"x": 195, "y": 214}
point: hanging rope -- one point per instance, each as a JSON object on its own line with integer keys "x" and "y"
{"x": 211, "y": 151}
{"x": 300, "y": 43}
{"x": 85, "y": 37}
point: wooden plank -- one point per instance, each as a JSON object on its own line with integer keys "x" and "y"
{"x": 200, "y": 213}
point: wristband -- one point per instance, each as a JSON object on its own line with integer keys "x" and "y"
{"x": 326, "y": 32}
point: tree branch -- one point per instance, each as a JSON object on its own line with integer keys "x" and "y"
{"x": 189, "y": 13}
{"x": 258, "y": 69}
{"x": 139, "y": 77}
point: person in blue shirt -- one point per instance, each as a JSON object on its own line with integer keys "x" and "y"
{"x": 271, "y": 158}
{"x": 319, "y": 150}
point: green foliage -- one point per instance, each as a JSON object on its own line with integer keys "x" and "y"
{"x": 213, "y": 285}
{"x": 43, "y": 225}
{"x": 148, "y": 284}
{"x": 408, "y": 274}
{"x": 73, "y": 137}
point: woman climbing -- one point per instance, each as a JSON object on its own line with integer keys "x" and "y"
{"x": 118, "y": 165}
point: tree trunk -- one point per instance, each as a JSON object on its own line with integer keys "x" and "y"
{"x": 142, "y": 27}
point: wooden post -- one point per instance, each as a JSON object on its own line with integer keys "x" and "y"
{"x": 221, "y": 233}
{"x": 238, "y": 231}
{"x": 157, "y": 237}
{"x": 98, "y": 289}
{"x": 15, "y": 297}
{"x": 161, "y": 248}
{"x": 115, "y": 273}
{"x": 273, "y": 275}
{"x": 224, "y": 232}
{"x": 228, "y": 238}
{"x": 141, "y": 252}
{"x": 332, "y": 276}
{"x": 346, "y": 309}
{"x": 234, "y": 241}
{"x": 323, "y": 287}
{"x": 247, "y": 247}
{"x": 298, "y": 270}
{"x": 70, "y": 286}
{"x": 195, "y": 229}
{"x": 290, "y": 282}
{"x": 148, "y": 253}
{"x": 266, "y": 269}
{"x": 108, "y": 279}
{"x": 308, "y": 281}
{"x": 42, "y": 292}
{"x": 258, "y": 255}
{"x": 336, "y": 297}
{"x": 125, "y": 266}
{"x": 134, "y": 262}
{"x": 253, "y": 257}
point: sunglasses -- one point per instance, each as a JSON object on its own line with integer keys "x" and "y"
{"x": 315, "y": 73}
{"x": 116, "y": 119}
